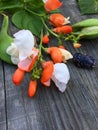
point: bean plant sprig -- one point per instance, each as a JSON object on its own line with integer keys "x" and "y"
{"x": 41, "y": 19}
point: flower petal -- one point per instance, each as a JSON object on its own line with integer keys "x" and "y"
{"x": 44, "y": 1}
{"x": 60, "y": 76}
{"x": 52, "y": 5}
{"x": 56, "y": 54}
{"x": 58, "y": 20}
{"x": 67, "y": 20}
{"x": 47, "y": 83}
{"x": 66, "y": 54}
{"x": 12, "y": 50}
{"x": 14, "y": 53}
{"x": 28, "y": 62}
{"x": 15, "y": 60}
{"x": 24, "y": 40}
{"x": 48, "y": 68}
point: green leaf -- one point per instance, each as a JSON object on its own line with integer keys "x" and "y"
{"x": 36, "y": 6}
{"x": 6, "y": 4}
{"x": 24, "y": 20}
{"x": 88, "y": 6}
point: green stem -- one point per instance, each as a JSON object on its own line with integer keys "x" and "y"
{"x": 40, "y": 15}
{"x": 40, "y": 43}
{"x": 40, "y": 47}
{"x": 44, "y": 49}
{"x": 49, "y": 29}
{"x": 24, "y": 1}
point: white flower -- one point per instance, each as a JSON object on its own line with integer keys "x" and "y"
{"x": 66, "y": 20}
{"x": 61, "y": 76}
{"x": 15, "y": 60}
{"x": 22, "y": 47}
{"x": 12, "y": 50}
{"x": 66, "y": 55}
{"x": 44, "y": 1}
{"x": 14, "y": 53}
{"x": 24, "y": 40}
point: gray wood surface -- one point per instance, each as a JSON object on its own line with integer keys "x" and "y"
{"x": 75, "y": 109}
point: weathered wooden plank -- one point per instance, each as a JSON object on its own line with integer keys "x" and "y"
{"x": 89, "y": 46}
{"x": 18, "y": 124}
{"x": 2, "y": 99}
{"x": 16, "y": 116}
{"x": 3, "y": 126}
{"x": 83, "y": 99}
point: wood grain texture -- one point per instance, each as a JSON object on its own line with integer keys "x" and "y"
{"x": 2, "y": 99}
{"x": 75, "y": 109}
